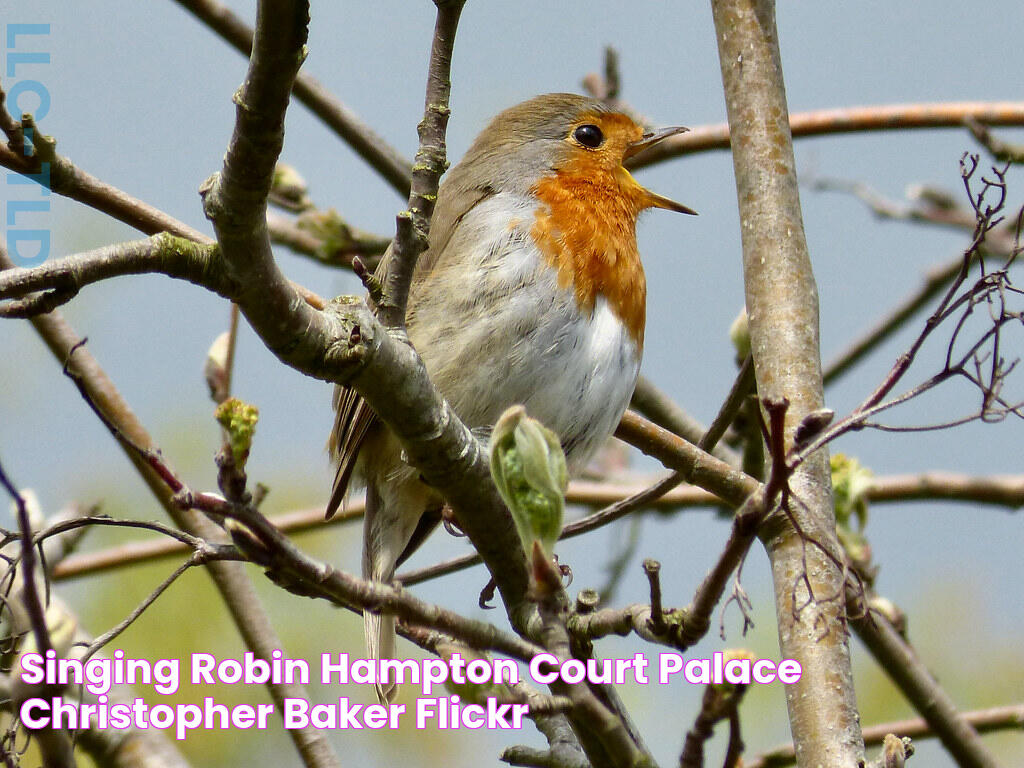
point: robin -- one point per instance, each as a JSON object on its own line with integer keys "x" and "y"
{"x": 530, "y": 292}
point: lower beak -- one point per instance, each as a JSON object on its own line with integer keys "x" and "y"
{"x": 649, "y": 140}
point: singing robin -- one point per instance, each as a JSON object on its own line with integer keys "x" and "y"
{"x": 531, "y": 291}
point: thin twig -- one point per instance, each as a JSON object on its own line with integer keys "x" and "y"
{"x": 231, "y": 580}
{"x": 33, "y": 603}
{"x": 229, "y": 356}
{"x": 651, "y": 570}
{"x": 720, "y": 702}
{"x": 1000, "y": 150}
{"x": 413, "y": 225}
{"x": 731, "y": 406}
{"x": 54, "y": 744}
{"x": 656, "y": 405}
{"x": 128, "y": 620}
{"x": 957, "y": 305}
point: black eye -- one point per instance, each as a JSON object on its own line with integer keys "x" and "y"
{"x": 589, "y": 136}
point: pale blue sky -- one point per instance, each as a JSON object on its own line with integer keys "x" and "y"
{"x": 141, "y": 97}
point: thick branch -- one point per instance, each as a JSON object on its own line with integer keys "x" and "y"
{"x": 60, "y": 280}
{"x": 782, "y": 306}
{"x": 230, "y": 578}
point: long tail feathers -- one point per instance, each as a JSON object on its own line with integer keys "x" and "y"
{"x": 380, "y": 644}
{"x": 391, "y": 517}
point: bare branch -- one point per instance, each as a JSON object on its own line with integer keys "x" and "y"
{"x": 720, "y": 702}
{"x": 325, "y": 238}
{"x": 386, "y": 160}
{"x": 598, "y": 720}
{"x": 991, "y": 720}
{"x": 63, "y": 278}
{"x": 782, "y": 305}
{"x": 113, "y": 747}
{"x": 981, "y": 363}
{"x": 136, "y": 612}
{"x": 888, "y": 117}
{"x": 1000, "y": 150}
{"x": 701, "y": 468}
{"x": 32, "y": 601}
{"x": 657, "y": 406}
{"x": 54, "y": 743}
{"x": 230, "y": 578}
{"x": 746, "y": 523}
{"x": 915, "y": 681}
{"x": 431, "y": 162}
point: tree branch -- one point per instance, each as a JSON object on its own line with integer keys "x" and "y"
{"x": 346, "y": 343}
{"x": 905, "y": 669}
{"x": 657, "y": 406}
{"x": 60, "y": 280}
{"x": 231, "y": 580}
{"x": 383, "y": 158}
{"x": 701, "y": 468}
{"x": 995, "y": 490}
{"x": 431, "y": 162}
{"x": 54, "y": 744}
{"x": 984, "y": 721}
{"x": 64, "y": 178}
{"x": 782, "y": 305}
{"x": 893, "y": 117}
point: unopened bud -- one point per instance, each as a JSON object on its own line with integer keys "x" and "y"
{"x": 739, "y": 335}
{"x": 528, "y": 466}
{"x": 239, "y": 421}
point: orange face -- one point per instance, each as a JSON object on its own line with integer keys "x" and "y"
{"x": 586, "y": 227}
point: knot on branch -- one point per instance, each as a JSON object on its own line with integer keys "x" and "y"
{"x": 354, "y": 340}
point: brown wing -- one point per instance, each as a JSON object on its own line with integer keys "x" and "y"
{"x": 352, "y": 420}
{"x": 353, "y": 417}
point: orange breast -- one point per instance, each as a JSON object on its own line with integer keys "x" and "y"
{"x": 586, "y": 229}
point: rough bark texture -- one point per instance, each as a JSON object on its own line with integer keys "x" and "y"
{"x": 782, "y": 305}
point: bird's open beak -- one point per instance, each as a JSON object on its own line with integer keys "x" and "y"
{"x": 649, "y": 140}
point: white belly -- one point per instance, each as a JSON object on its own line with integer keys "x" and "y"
{"x": 503, "y": 332}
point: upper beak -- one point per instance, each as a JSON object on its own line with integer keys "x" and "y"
{"x": 649, "y": 140}
{"x": 652, "y": 138}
